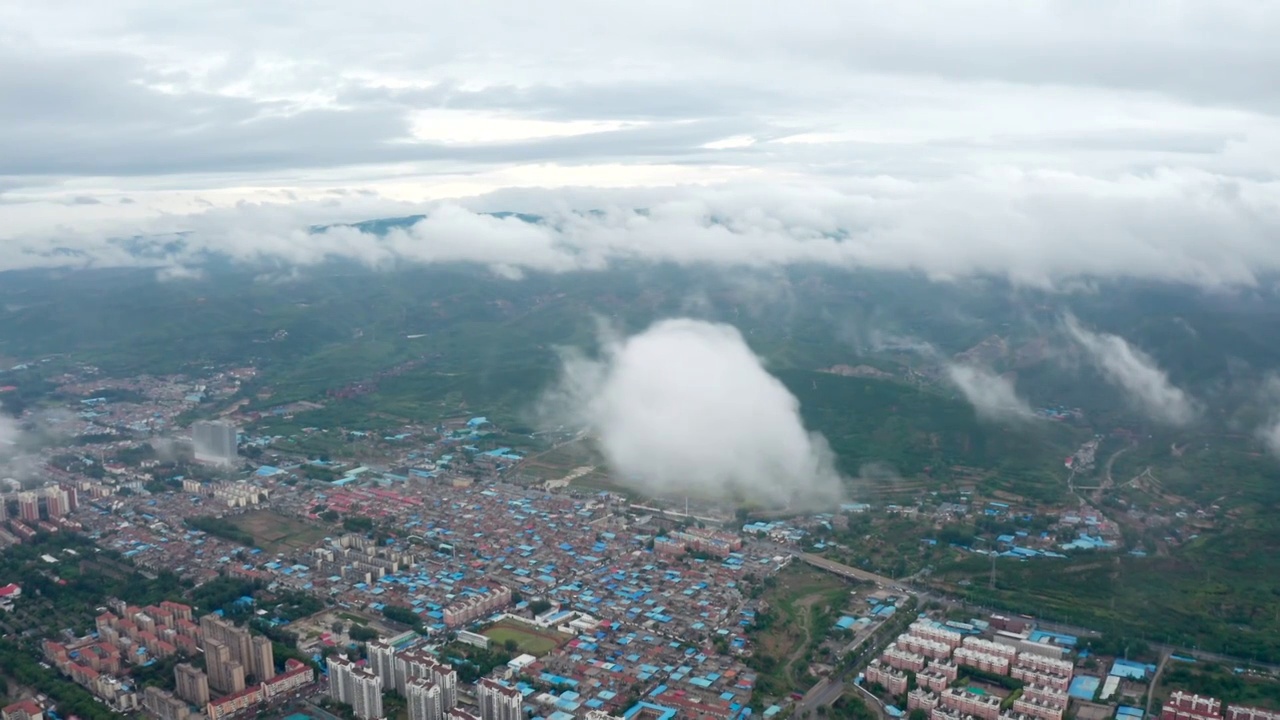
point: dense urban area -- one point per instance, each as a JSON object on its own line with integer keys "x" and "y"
{"x": 181, "y": 568}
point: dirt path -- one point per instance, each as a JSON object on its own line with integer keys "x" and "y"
{"x": 1111, "y": 461}
{"x": 1155, "y": 683}
{"x": 805, "y": 607}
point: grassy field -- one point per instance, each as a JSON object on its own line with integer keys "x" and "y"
{"x": 1220, "y": 682}
{"x": 528, "y": 639}
{"x": 1217, "y": 593}
{"x": 802, "y": 604}
{"x": 276, "y": 533}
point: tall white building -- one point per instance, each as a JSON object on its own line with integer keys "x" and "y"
{"x": 426, "y": 702}
{"x": 413, "y": 664}
{"x": 498, "y": 701}
{"x": 382, "y": 660}
{"x": 355, "y": 686}
{"x": 367, "y": 702}
{"x": 214, "y": 442}
{"x": 341, "y": 681}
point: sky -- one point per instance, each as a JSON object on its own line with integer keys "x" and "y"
{"x": 1034, "y": 138}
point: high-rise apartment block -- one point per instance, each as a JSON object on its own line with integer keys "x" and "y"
{"x": 426, "y": 702}
{"x": 29, "y": 506}
{"x": 193, "y": 684}
{"x": 214, "y": 442}
{"x": 498, "y": 701}
{"x": 382, "y": 660}
{"x": 226, "y": 675}
{"x": 355, "y": 686}
{"x": 413, "y": 664}
{"x": 232, "y": 654}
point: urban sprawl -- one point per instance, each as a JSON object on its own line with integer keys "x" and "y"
{"x": 444, "y": 584}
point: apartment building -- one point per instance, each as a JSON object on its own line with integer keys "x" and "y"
{"x": 986, "y": 707}
{"x": 1045, "y": 693}
{"x": 893, "y": 680}
{"x": 985, "y": 662}
{"x": 1046, "y": 665}
{"x": 474, "y": 607}
{"x": 161, "y": 704}
{"x": 192, "y": 684}
{"x": 356, "y": 686}
{"x": 498, "y": 701}
{"x": 382, "y": 660}
{"x": 902, "y": 659}
{"x": 413, "y": 664}
{"x": 991, "y": 648}
{"x": 921, "y": 699}
{"x": 923, "y": 646}
{"x": 927, "y": 630}
{"x": 1038, "y": 708}
{"x": 933, "y": 680}
{"x": 1241, "y": 712}
{"x": 1188, "y": 706}
{"x": 426, "y": 701}
{"x": 1028, "y": 676}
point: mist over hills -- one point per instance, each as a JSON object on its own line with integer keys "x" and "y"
{"x": 889, "y": 366}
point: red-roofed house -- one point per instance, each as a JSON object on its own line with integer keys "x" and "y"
{"x": 22, "y": 710}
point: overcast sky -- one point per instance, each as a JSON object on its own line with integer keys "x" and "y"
{"x": 122, "y": 115}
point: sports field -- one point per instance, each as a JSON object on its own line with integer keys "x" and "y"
{"x": 528, "y": 639}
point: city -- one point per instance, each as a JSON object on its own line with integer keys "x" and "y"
{"x": 436, "y": 580}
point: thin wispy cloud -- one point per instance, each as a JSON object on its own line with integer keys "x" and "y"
{"x": 992, "y": 396}
{"x": 1135, "y": 373}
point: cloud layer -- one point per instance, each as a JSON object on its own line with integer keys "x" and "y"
{"x": 1136, "y": 374}
{"x": 685, "y": 408}
{"x": 963, "y": 136}
{"x": 1035, "y": 230}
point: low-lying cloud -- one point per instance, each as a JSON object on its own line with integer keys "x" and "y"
{"x": 9, "y": 433}
{"x": 1043, "y": 230}
{"x": 1269, "y": 433}
{"x": 685, "y": 408}
{"x": 16, "y": 460}
{"x": 992, "y": 396}
{"x": 1145, "y": 384}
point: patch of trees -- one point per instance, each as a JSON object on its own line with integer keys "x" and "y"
{"x": 220, "y": 527}
{"x": 1225, "y": 686}
{"x": 1004, "y": 681}
{"x": 402, "y": 615}
{"x": 356, "y": 523}
{"x": 473, "y": 663}
{"x": 71, "y": 699}
{"x": 222, "y": 593}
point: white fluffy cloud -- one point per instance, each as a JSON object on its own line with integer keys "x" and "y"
{"x": 685, "y": 408}
{"x": 1036, "y": 229}
{"x": 1136, "y": 374}
{"x": 993, "y": 396}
